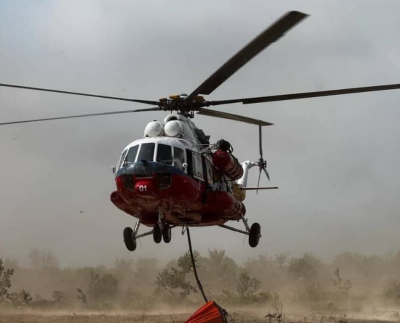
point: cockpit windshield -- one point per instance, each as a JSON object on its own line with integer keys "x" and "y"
{"x": 121, "y": 160}
{"x": 179, "y": 157}
{"x": 146, "y": 152}
{"x": 131, "y": 155}
{"x": 164, "y": 154}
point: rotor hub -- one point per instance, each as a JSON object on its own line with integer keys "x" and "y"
{"x": 180, "y": 103}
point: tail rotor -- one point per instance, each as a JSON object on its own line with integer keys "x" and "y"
{"x": 262, "y": 163}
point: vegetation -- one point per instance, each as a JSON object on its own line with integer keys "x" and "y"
{"x": 5, "y": 281}
{"x": 350, "y": 282}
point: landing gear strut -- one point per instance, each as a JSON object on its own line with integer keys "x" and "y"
{"x": 254, "y": 232}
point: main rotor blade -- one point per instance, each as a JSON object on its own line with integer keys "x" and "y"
{"x": 230, "y": 116}
{"x": 266, "y": 38}
{"x": 147, "y": 109}
{"x": 305, "y": 95}
{"x": 78, "y": 116}
{"x": 78, "y": 93}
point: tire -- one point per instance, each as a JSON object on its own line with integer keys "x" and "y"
{"x": 130, "y": 242}
{"x": 157, "y": 235}
{"x": 167, "y": 233}
{"x": 254, "y": 235}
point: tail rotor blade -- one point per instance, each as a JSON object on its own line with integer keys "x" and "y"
{"x": 266, "y": 173}
{"x": 258, "y": 183}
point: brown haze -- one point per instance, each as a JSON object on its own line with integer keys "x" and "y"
{"x": 350, "y": 287}
{"x": 335, "y": 159}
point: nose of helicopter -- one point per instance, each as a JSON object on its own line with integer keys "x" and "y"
{"x": 144, "y": 187}
{"x": 144, "y": 182}
{"x": 141, "y": 187}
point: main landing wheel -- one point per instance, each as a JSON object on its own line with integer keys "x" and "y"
{"x": 254, "y": 235}
{"x": 130, "y": 241}
{"x": 157, "y": 235}
{"x": 166, "y": 233}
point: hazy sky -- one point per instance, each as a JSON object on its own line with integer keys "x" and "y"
{"x": 335, "y": 159}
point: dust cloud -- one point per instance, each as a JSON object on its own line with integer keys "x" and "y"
{"x": 351, "y": 286}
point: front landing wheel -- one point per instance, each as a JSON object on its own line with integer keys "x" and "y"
{"x": 166, "y": 233}
{"x": 130, "y": 241}
{"x": 157, "y": 234}
{"x": 254, "y": 235}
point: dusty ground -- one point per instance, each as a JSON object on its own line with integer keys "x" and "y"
{"x": 89, "y": 318}
{"x": 110, "y": 318}
{"x": 236, "y": 317}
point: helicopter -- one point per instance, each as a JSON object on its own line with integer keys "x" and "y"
{"x": 174, "y": 176}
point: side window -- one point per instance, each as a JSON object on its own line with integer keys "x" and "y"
{"x": 189, "y": 162}
{"x": 210, "y": 173}
{"x": 179, "y": 157}
{"x": 131, "y": 156}
{"x": 164, "y": 154}
{"x": 146, "y": 152}
{"x": 197, "y": 166}
{"x": 203, "y": 164}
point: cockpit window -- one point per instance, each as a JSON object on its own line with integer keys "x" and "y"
{"x": 164, "y": 154}
{"x": 179, "y": 157}
{"x": 121, "y": 160}
{"x": 131, "y": 156}
{"x": 146, "y": 152}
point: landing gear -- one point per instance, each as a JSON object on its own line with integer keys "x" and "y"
{"x": 129, "y": 239}
{"x": 161, "y": 231}
{"x": 167, "y": 233}
{"x": 254, "y": 235}
{"x": 131, "y": 236}
{"x": 162, "y": 234}
{"x": 254, "y": 232}
{"x": 157, "y": 234}
{"x": 157, "y": 231}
